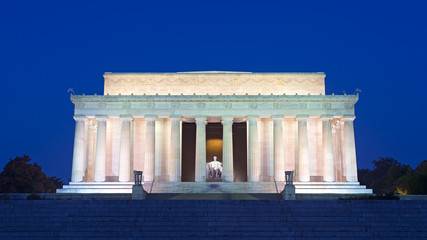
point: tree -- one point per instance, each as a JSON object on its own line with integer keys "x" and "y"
{"x": 382, "y": 179}
{"x": 414, "y": 181}
{"x": 19, "y": 176}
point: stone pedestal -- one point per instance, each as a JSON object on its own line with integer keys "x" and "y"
{"x": 138, "y": 192}
{"x": 289, "y": 192}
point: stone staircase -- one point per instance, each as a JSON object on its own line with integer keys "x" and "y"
{"x": 212, "y": 219}
{"x": 214, "y": 187}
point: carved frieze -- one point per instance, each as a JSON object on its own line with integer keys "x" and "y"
{"x": 126, "y": 105}
{"x": 80, "y": 105}
{"x": 253, "y": 105}
{"x": 349, "y": 105}
{"x": 101, "y": 105}
{"x": 175, "y": 105}
{"x": 201, "y": 105}
{"x": 326, "y": 105}
{"x": 151, "y": 105}
{"x": 227, "y": 105}
{"x": 277, "y": 105}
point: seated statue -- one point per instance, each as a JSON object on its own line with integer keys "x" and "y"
{"x": 214, "y": 169}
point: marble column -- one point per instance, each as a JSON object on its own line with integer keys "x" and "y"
{"x": 227, "y": 149}
{"x": 79, "y": 153}
{"x": 303, "y": 160}
{"x": 149, "y": 147}
{"x": 328, "y": 150}
{"x": 254, "y": 159}
{"x": 124, "y": 161}
{"x": 100, "y": 153}
{"x": 350, "y": 149}
{"x": 201, "y": 149}
{"x": 279, "y": 162}
{"x": 90, "y": 156}
{"x": 159, "y": 150}
{"x": 175, "y": 150}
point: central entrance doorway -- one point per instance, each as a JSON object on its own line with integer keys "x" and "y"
{"x": 214, "y": 136}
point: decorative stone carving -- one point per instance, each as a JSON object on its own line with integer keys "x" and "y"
{"x": 175, "y": 105}
{"x": 349, "y": 105}
{"x": 201, "y": 105}
{"x": 277, "y": 105}
{"x": 227, "y": 105}
{"x": 151, "y": 105}
{"x": 80, "y": 105}
{"x": 126, "y": 105}
{"x": 326, "y": 105}
{"x": 336, "y": 123}
{"x": 303, "y": 105}
{"x": 101, "y": 105}
{"x": 253, "y": 105}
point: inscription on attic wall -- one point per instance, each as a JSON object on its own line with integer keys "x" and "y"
{"x": 215, "y": 84}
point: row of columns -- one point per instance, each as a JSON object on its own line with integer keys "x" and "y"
{"x": 152, "y": 168}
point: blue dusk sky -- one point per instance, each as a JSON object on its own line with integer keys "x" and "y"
{"x": 48, "y": 47}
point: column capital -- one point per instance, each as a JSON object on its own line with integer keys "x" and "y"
{"x": 302, "y": 117}
{"x": 226, "y": 120}
{"x": 326, "y": 117}
{"x": 200, "y": 120}
{"x": 80, "y": 118}
{"x": 348, "y": 117}
{"x": 277, "y": 117}
{"x": 101, "y": 117}
{"x": 252, "y": 117}
{"x": 126, "y": 117}
{"x": 175, "y": 117}
{"x": 150, "y": 117}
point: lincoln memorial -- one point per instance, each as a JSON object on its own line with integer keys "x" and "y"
{"x": 214, "y": 132}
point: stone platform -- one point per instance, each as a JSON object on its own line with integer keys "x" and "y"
{"x": 217, "y": 187}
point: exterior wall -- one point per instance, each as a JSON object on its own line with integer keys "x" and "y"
{"x": 226, "y": 83}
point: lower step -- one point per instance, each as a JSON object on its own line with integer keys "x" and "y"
{"x": 215, "y": 196}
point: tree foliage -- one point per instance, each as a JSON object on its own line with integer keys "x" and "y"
{"x": 20, "y": 176}
{"x": 390, "y": 176}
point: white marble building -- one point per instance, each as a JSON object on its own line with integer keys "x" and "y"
{"x": 290, "y": 125}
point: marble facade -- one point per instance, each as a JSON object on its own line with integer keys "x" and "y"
{"x": 137, "y": 125}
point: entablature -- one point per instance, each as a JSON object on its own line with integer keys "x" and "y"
{"x": 214, "y": 105}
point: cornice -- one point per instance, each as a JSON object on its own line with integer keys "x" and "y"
{"x": 214, "y": 98}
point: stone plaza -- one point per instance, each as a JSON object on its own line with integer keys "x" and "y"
{"x": 170, "y": 126}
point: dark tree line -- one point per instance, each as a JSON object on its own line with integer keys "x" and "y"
{"x": 389, "y": 176}
{"x": 20, "y": 176}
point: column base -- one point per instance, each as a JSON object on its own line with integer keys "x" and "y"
{"x": 164, "y": 178}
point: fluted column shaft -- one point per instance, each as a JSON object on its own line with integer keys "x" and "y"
{"x": 79, "y": 153}
{"x": 149, "y": 147}
{"x": 279, "y": 163}
{"x": 303, "y": 160}
{"x": 100, "y": 153}
{"x": 175, "y": 149}
{"x": 201, "y": 149}
{"x": 254, "y": 159}
{"x": 227, "y": 149}
{"x": 328, "y": 151}
{"x": 350, "y": 149}
{"x": 124, "y": 161}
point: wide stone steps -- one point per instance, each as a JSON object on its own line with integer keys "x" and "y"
{"x": 212, "y": 219}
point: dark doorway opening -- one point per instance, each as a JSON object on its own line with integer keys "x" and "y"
{"x": 214, "y": 148}
{"x": 240, "y": 155}
{"x": 188, "y": 152}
